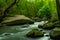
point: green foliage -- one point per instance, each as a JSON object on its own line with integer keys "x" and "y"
{"x": 44, "y": 12}
{"x": 31, "y": 8}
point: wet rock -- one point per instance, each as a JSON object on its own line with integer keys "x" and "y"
{"x": 7, "y": 34}
{"x": 35, "y": 33}
{"x": 44, "y": 32}
{"x": 44, "y": 19}
{"x": 48, "y": 26}
{"x": 17, "y": 20}
{"x": 46, "y": 35}
{"x": 55, "y": 33}
{"x": 40, "y": 26}
{"x": 37, "y": 19}
{"x": 51, "y": 25}
{"x": 57, "y": 24}
{"x": 41, "y": 30}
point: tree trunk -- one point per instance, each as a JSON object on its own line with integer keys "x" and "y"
{"x": 3, "y": 13}
{"x": 58, "y": 8}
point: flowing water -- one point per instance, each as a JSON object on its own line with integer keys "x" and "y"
{"x": 19, "y": 32}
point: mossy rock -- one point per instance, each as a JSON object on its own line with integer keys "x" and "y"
{"x": 35, "y": 33}
{"x": 57, "y": 24}
{"x": 40, "y": 26}
{"x": 55, "y": 33}
{"x": 17, "y": 20}
{"x": 49, "y": 25}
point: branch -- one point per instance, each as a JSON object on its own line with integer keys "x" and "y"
{"x": 8, "y": 7}
{"x": 3, "y": 13}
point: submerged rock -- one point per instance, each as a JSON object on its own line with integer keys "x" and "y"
{"x": 17, "y": 20}
{"x": 55, "y": 33}
{"x": 35, "y": 33}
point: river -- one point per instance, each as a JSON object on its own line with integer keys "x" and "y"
{"x": 19, "y": 32}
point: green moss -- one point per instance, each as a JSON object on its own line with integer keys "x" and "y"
{"x": 51, "y": 25}
{"x": 57, "y": 24}
{"x": 35, "y": 33}
{"x": 55, "y": 33}
{"x": 48, "y": 25}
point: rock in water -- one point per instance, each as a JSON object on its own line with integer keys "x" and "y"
{"x": 40, "y": 26}
{"x": 55, "y": 33}
{"x": 17, "y": 20}
{"x": 35, "y": 33}
{"x": 48, "y": 26}
{"x": 37, "y": 19}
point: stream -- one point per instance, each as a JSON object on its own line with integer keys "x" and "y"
{"x": 19, "y": 32}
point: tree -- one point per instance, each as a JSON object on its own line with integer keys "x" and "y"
{"x": 52, "y": 7}
{"x": 3, "y": 13}
{"x": 58, "y": 8}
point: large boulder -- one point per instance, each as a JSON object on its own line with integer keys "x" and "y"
{"x": 17, "y": 20}
{"x": 55, "y": 33}
{"x": 49, "y": 25}
{"x": 35, "y": 33}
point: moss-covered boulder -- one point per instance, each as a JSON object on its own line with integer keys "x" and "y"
{"x": 49, "y": 25}
{"x": 35, "y": 33}
{"x": 55, "y": 33}
{"x": 17, "y": 20}
{"x": 57, "y": 24}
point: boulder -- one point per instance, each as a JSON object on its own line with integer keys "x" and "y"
{"x": 17, "y": 20}
{"x": 55, "y": 33}
{"x": 35, "y": 33}
{"x": 37, "y": 19}
{"x": 40, "y": 26}
{"x": 57, "y": 24}
{"x": 49, "y": 25}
